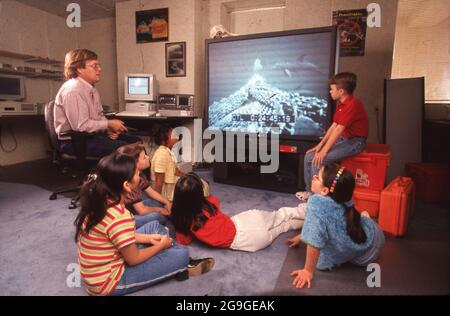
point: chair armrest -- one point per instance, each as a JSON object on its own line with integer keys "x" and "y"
{"x": 69, "y": 133}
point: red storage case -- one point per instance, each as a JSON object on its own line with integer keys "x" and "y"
{"x": 432, "y": 181}
{"x": 367, "y": 200}
{"x": 370, "y": 166}
{"x": 396, "y": 206}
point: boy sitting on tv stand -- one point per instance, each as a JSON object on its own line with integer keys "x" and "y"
{"x": 346, "y": 136}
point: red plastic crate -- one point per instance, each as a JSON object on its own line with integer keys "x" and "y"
{"x": 367, "y": 200}
{"x": 432, "y": 181}
{"x": 370, "y": 167}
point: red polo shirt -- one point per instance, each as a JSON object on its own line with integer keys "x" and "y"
{"x": 353, "y": 116}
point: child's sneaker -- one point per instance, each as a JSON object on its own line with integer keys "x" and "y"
{"x": 182, "y": 276}
{"x": 200, "y": 266}
{"x": 303, "y": 195}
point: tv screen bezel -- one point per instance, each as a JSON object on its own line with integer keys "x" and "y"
{"x": 334, "y": 58}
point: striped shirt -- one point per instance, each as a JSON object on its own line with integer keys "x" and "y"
{"x": 101, "y": 263}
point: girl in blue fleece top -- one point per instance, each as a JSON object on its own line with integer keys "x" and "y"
{"x": 333, "y": 230}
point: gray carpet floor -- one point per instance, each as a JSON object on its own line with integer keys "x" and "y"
{"x": 415, "y": 264}
{"x": 37, "y": 247}
{"x": 37, "y": 251}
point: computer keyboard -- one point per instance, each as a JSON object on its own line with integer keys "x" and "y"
{"x": 138, "y": 114}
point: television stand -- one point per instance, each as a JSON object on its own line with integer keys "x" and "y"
{"x": 288, "y": 178}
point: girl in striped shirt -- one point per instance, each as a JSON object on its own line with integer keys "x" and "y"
{"x": 114, "y": 257}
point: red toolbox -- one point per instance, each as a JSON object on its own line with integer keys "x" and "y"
{"x": 432, "y": 181}
{"x": 370, "y": 166}
{"x": 367, "y": 200}
{"x": 396, "y": 206}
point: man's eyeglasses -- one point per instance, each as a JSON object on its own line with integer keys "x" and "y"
{"x": 94, "y": 66}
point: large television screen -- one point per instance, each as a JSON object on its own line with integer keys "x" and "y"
{"x": 280, "y": 79}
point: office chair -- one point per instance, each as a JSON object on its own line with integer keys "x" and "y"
{"x": 78, "y": 143}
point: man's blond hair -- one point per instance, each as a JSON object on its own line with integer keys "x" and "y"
{"x": 76, "y": 59}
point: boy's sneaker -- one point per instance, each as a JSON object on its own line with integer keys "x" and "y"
{"x": 303, "y": 195}
{"x": 200, "y": 266}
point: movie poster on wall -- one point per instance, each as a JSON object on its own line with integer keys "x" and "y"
{"x": 351, "y": 25}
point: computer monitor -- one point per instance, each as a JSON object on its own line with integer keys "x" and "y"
{"x": 12, "y": 87}
{"x": 140, "y": 87}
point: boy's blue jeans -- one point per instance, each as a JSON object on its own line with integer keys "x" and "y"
{"x": 154, "y": 216}
{"x": 343, "y": 148}
{"x": 161, "y": 266}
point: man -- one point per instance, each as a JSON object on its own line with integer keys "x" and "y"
{"x": 78, "y": 107}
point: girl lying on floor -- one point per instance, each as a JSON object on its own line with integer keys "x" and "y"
{"x": 114, "y": 257}
{"x": 195, "y": 216}
{"x": 334, "y": 230}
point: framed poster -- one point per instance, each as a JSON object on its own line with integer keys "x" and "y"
{"x": 351, "y": 26}
{"x": 152, "y": 26}
{"x": 176, "y": 59}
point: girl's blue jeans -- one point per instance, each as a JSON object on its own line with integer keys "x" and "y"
{"x": 343, "y": 148}
{"x": 154, "y": 216}
{"x": 163, "y": 265}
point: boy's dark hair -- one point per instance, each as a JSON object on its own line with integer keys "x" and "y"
{"x": 102, "y": 189}
{"x": 76, "y": 59}
{"x": 189, "y": 203}
{"x": 161, "y": 134}
{"x": 345, "y": 80}
{"x": 343, "y": 192}
{"x": 133, "y": 150}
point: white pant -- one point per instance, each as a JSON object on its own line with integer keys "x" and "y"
{"x": 256, "y": 229}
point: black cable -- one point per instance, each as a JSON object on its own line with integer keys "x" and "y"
{"x": 12, "y": 136}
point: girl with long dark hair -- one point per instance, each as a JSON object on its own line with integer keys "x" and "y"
{"x": 334, "y": 230}
{"x": 197, "y": 217}
{"x": 144, "y": 202}
{"x": 114, "y": 257}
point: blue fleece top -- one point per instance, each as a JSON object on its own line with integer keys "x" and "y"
{"x": 325, "y": 228}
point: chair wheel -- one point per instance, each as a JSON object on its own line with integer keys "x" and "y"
{"x": 72, "y": 205}
{"x": 53, "y": 196}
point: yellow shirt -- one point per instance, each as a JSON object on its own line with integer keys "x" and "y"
{"x": 164, "y": 161}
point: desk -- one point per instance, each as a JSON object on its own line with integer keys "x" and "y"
{"x": 144, "y": 124}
